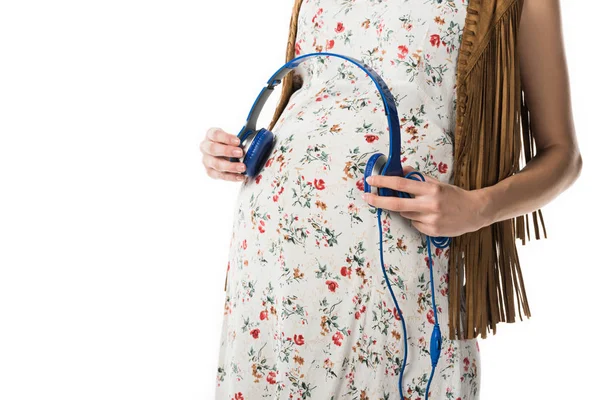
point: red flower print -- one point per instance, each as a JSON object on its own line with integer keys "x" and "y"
{"x": 340, "y": 27}
{"x": 345, "y": 271}
{"x": 269, "y": 162}
{"x": 360, "y": 184}
{"x": 298, "y": 48}
{"x": 319, "y": 184}
{"x": 435, "y": 40}
{"x": 330, "y": 44}
{"x": 363, "y": 308}
{"x": 264, "y": 315}
{"x": 254, "y": 332}
{"x": 261, "y": 227}
{"x": 337, "y": 338}
{"x": 438, "y": 251}
{"x": 275, "y": 198}
{"x": 332, "y": 285}
{"x": 258, "y": 178}
{"x": 371, "y": 138}
{"x": 271, "y": 378}
{"x": 357, "y": 315}
{"x": 443, "y": 168}
{"x": 319, "y": 12}
{"x": 427, "y": 262}
{"x": 238, "y": 396}
{"x": 466, "y": 366}
{"x": 403, "y": 51}
{"x": 299, "y": 339}
{"x": 396, "y": 315}
{"x": 430, "y": 316}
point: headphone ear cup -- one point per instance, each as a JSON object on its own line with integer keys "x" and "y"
{"x": 374, "y": 167}
{"x": 258, "y": 152}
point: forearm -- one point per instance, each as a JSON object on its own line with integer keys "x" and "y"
{"x": 544, "y": 177}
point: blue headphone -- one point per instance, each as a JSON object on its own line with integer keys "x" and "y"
{"x": 258, "y": 144}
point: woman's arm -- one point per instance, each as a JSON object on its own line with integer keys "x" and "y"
{"x": 439, "y": 209}
{"x": 545, "y": 81}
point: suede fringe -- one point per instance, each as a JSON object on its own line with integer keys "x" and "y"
{"x": 485, "y": 273}
{"x": 484, "y": 269}
{"x": 287, "y": 84}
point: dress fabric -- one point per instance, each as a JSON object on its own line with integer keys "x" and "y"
{"x": 307, "y": 312}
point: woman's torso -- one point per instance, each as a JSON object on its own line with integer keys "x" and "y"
{"x": 306, "y": 287}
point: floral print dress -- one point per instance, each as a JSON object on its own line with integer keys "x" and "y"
{"x": 307, "y": 312}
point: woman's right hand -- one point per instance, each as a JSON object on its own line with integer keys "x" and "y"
{"x": 216, "y": 149}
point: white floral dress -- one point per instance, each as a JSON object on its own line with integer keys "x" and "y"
{"x": 307, "y": 311}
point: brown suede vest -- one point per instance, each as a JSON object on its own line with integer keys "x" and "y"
{"x": 492, "y": 130}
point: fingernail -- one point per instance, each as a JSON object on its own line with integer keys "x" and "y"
{"x": 240, "y": 178}
{"x": 241, "y": 167}
{"x": 364, "y": 196}
{"x": 238, "y": 152}
{"x": 369, "y": 180}
{"x": 235, "y": 141}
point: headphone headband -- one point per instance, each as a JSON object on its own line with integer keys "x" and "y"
{"x": 393, "y": 165}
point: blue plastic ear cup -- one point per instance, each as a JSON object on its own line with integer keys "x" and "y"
{"x": 258, "y": 152}
{"x": 372, "y": 168}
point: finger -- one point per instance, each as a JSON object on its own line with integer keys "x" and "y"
{"x": 394, "y": 203}
{"x": 221, "y": 150}
{"x": 219, "y": 135}
{"x": 413, "y": 215}
{"x": 223, "y": 165}
{"x": 421, "y": 227}
{"x": 398, "y": 183}
{"x": 226, "y": 176}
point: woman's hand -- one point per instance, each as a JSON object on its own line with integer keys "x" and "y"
{"x": 437, "y": 209}
{"x": 216, "y": 148}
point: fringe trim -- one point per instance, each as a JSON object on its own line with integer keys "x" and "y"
{"x": 484, "y": 269}
{"x": 287, "y": 85}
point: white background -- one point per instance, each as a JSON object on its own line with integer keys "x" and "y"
{"x": 114, "y": 243}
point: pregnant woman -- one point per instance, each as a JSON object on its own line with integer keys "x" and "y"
{"x": 307, "y": 311}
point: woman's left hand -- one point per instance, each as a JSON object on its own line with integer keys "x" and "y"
{"x": 437, "y": 208}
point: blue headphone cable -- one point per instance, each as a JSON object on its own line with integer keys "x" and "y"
{"x": 435, "y": 344}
